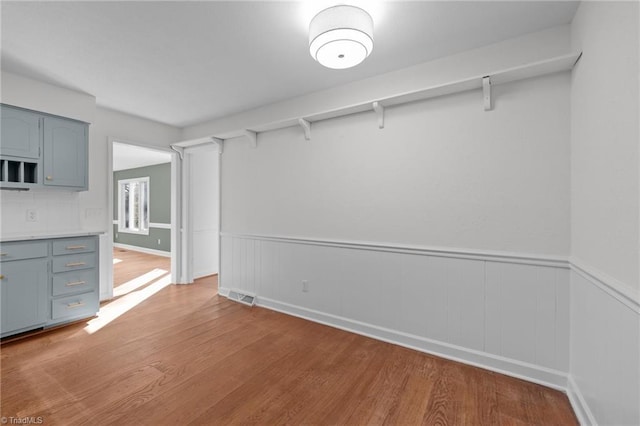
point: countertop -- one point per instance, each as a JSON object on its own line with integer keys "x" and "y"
{"x": 8, "y": 237}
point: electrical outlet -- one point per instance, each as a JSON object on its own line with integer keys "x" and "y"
{"x": 32, "y": 215}
{"x": 305, "y": 286}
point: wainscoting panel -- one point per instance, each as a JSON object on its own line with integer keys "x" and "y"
{"x": 503, "y": 312}
{"x": 605, "y": 354}
{"x": 526, "y": 308}
{"x": 204, "y": 244}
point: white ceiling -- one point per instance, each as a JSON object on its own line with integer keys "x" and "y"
{"x": 131, "y": 156}
{"x": 182, "y": 63}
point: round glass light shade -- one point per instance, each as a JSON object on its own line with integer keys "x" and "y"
{"x": 341, "y": 36}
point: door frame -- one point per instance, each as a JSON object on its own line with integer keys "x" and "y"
{"x": 176, "y": 173}
{"x": 187, "y": 203}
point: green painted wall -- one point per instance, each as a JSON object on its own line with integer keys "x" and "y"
{"x": 159, "y": 206}
{"x": 147, "y": 241}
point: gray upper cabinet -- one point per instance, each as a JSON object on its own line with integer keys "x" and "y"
{"x": 39, "y": 150}
{"x": 20, "y": 133}
{"x": 65, "y": 153}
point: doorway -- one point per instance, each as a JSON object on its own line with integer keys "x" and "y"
{"x": 142, "y": 199}
{"x": 201, "y": 198}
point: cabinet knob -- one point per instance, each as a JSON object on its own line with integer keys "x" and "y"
{"x": 1, "y": 277}
{"x": 49, "y": 177}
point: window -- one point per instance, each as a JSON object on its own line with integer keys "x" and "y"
{"x": 133, "y": 200}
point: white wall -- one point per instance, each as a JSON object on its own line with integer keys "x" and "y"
{"x": 441, "y": 173}
{"x": 447, "y": 231}
{"x": 604, "y": 116}
{"x": 121, "y": 127}
{"x": 32, "y": 94}
{"x": 204, "y": 209}
{"x": 605, "y": 219}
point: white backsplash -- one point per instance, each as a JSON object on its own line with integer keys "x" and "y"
{"x": 55, "y": 210}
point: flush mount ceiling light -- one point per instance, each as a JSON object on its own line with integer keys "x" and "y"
{"x": 341, "y": 36}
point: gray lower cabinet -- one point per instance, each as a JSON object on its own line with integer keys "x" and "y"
{"x": 24, "y": 295}
{"x": 74, "y": 279}
{"x": 47, "y": 282}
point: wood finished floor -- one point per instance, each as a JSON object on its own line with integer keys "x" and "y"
{"x": 187, "y": 356}
{"x": 132, "y": 264}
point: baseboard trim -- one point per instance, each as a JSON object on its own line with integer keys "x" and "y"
{"x": 521, "y": 370}
{"x": 202, "y": 274}
{"x": 459, "y": 253}
{"x": 143, "y": 249}
{"x": 578, "y": 403}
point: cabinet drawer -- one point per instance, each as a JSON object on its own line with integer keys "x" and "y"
{"x": 73, "y": 262}
{"x": 74, "y": 282}
{"x": 74, "y": 245}
{"x": 23, "y": 250}
{"x": 85, "y": 304}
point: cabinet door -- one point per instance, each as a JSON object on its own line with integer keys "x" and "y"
{"x": 24, "y": 294}
{"x": 65, "y": 153}
{"x": 19, "y": 133}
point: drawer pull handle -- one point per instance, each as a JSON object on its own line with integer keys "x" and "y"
{"x": 71, "y": 284}
{"x": 74, "y": 305}
{"x": 4, "y": 254}
{"x": 72, "y": 264}
{"x": 76, "y": 247}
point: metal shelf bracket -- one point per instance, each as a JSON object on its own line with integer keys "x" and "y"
{"x": 306, "y": 126}
{"x": 219, "y": 142}
{"x": 379, "y": 109}
{"x": 486, "y": 92}
{"x": 253, "y": 138}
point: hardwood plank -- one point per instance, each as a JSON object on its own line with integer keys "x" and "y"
{"x": 186, "y": 355}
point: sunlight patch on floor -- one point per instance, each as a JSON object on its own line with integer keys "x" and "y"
{"x": 138, "y": 282}
{"x": 118, "y": 307}
{"x": 116, "y": 261}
